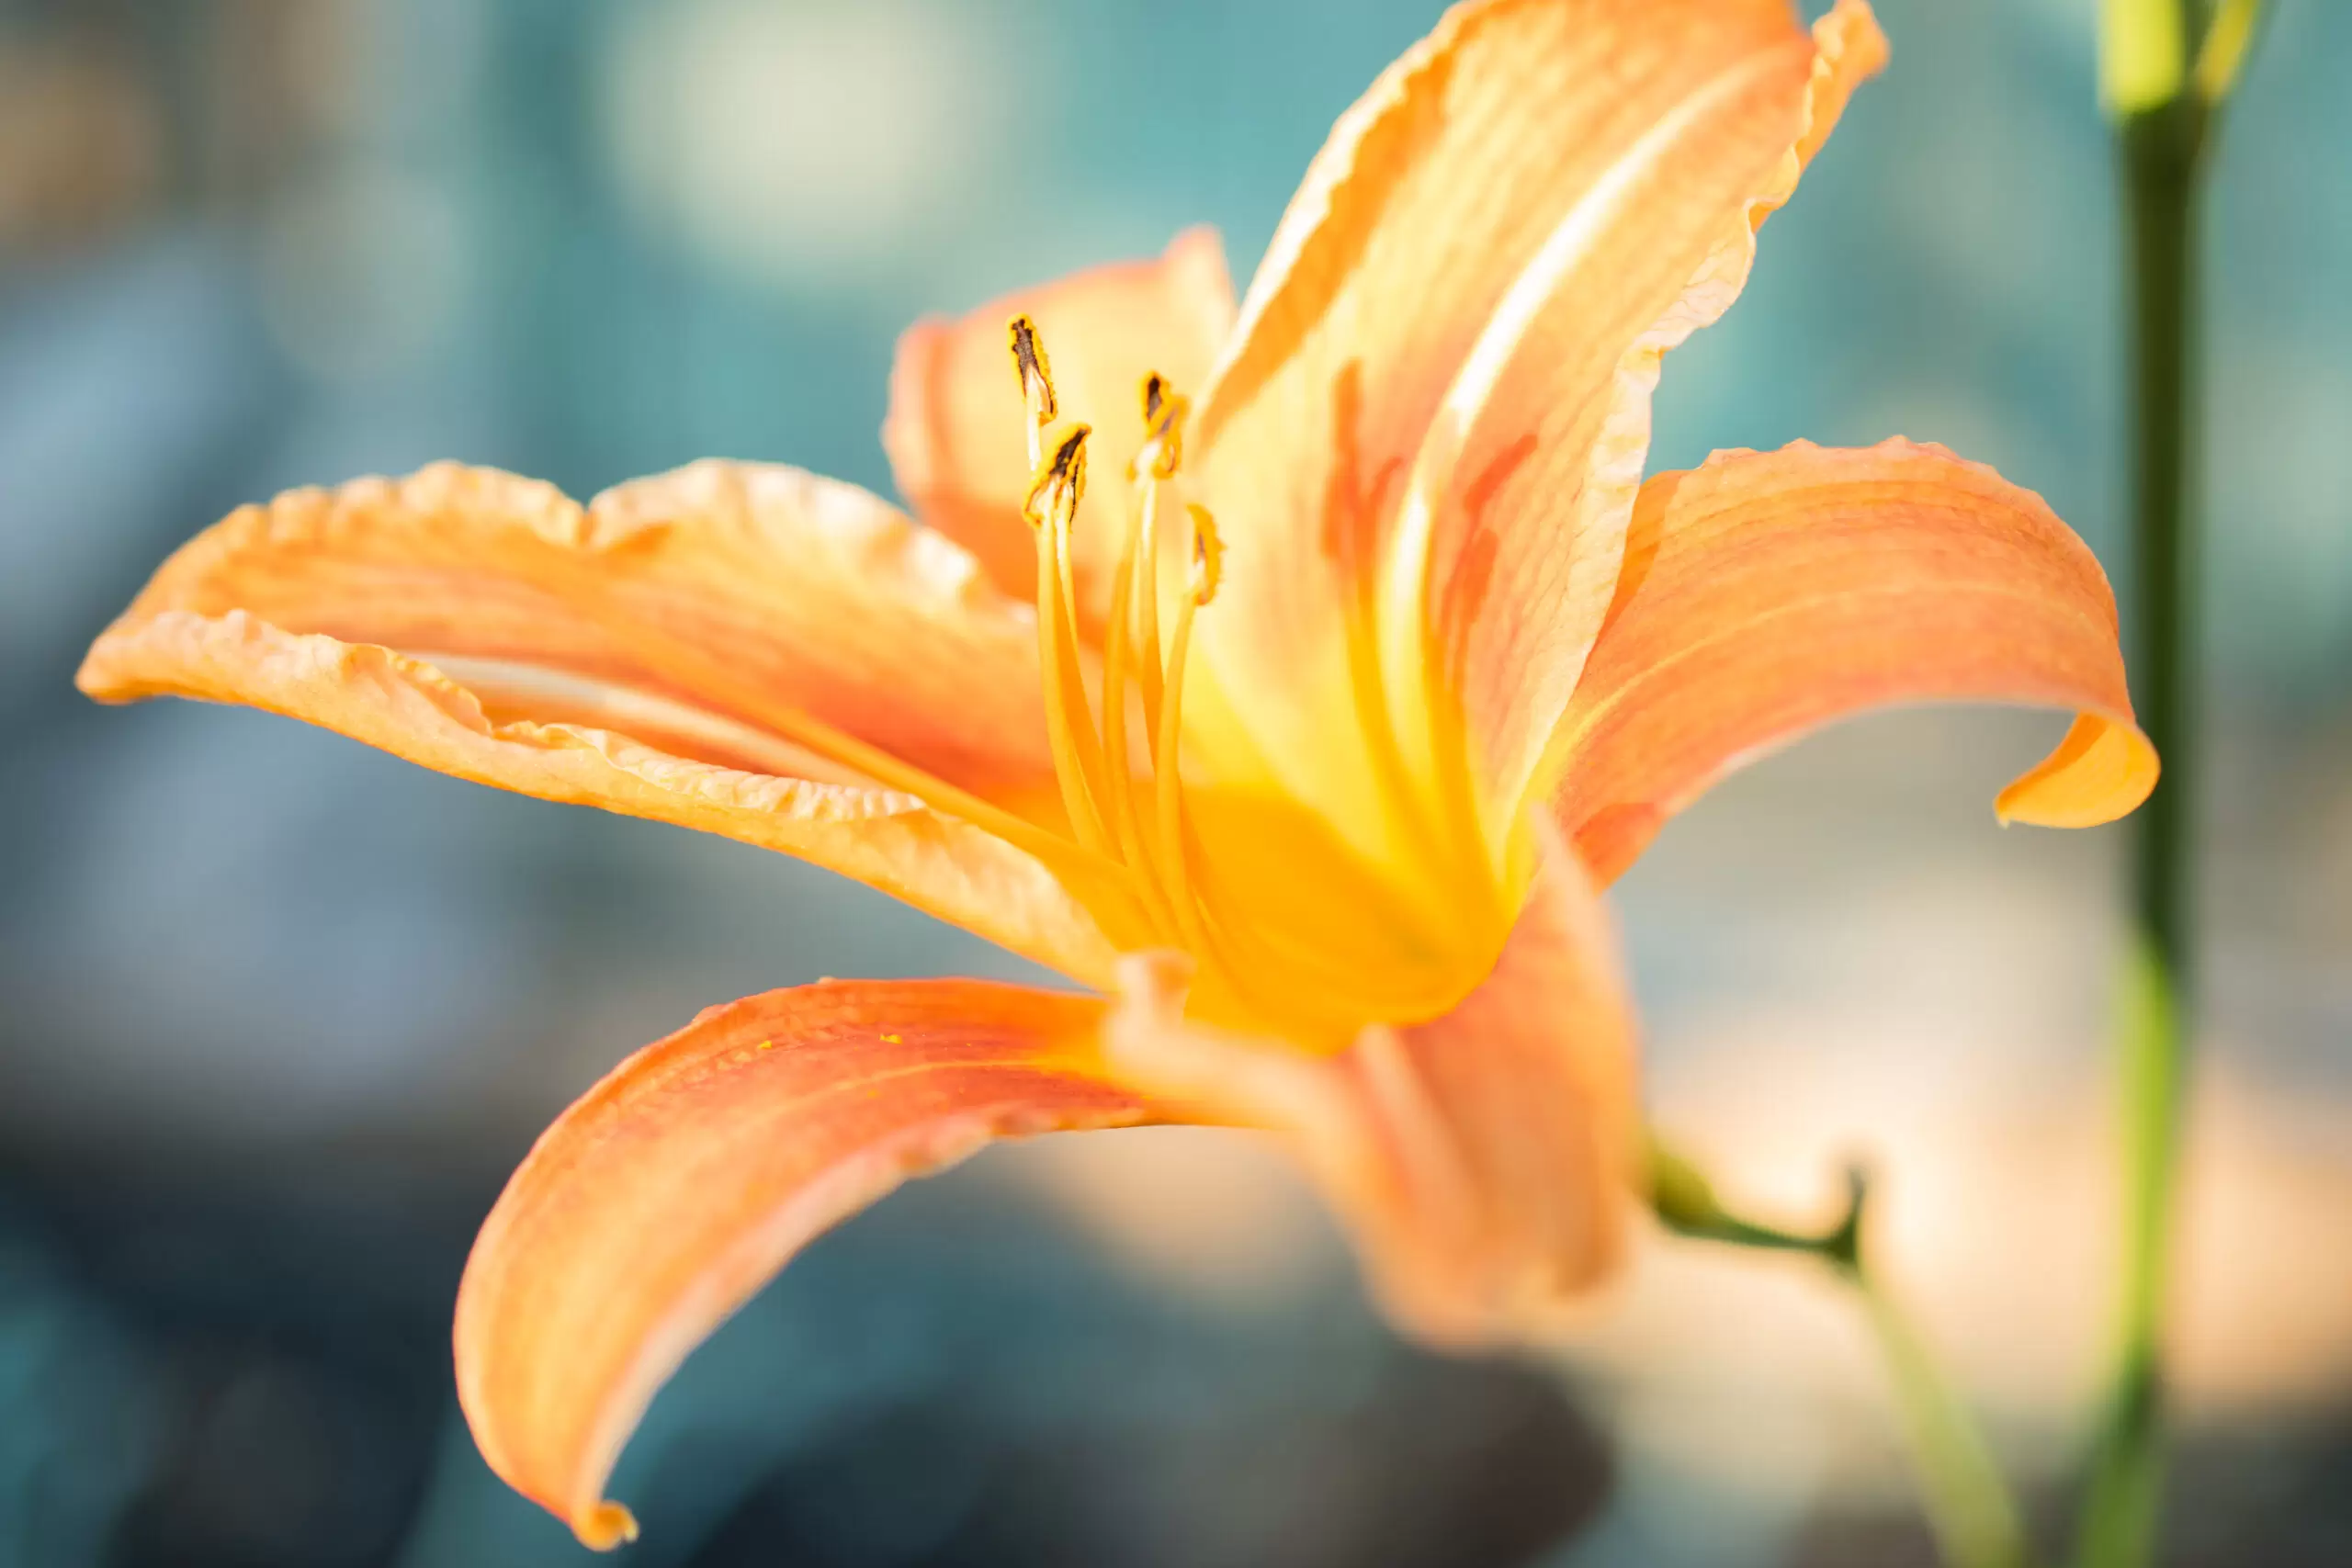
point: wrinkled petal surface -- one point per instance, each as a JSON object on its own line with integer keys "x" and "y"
{"x": 1486, "y": 1159}
{"x": 1487, "y": 255}
{"x": 736, "y": 589}
{"x": 955, "y": 431}
{"x": 1767, "y": 592}
{"x": 669, "y": 1194}
{"x": 637, "y": 656}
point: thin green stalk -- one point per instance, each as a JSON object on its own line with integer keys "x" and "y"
{"x": 1969, "y": 1507}
{"x": 2160, "y": 137}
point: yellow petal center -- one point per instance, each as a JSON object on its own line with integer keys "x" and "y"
{"x": 1293, "y": 927}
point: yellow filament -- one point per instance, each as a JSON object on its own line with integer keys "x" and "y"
{"x": 1118, "y": 654}
{"x": 1065, "y": 521}
{"x": 1167, "y": 740}
{"x": 1130, "y": 648}
{"x": 1164, "y": 411}
{"x": 1146, "y": 604}
{"x": 1078, "y": 764}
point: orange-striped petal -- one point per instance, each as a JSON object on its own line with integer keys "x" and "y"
{"x": 1767, "y": 592}
{"x": 891, "y": 841}
{"x": 956, "y": 432}
{"x": 1485, "y": 1159}
{"x": 669, "y": 1194}
{"x": 1594, "y": 156}
{"x": 1514, "y": 524}
{"x": 639, "y": 655}
{"x": 754, "y": 593}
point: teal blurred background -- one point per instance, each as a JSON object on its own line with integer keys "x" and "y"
{"x": 277, "y": 1014}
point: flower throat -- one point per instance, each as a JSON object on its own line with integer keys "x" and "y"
{"x": 1118, "y": 753}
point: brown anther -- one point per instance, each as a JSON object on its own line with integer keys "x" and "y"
{"x": 1164, "y": 411}
{"x": 1208, "y": 556}
{"x": 1060, "y": 481}
{"x": 1037, "y": 375}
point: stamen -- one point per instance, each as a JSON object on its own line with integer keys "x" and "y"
{"x": 1128, "y": 650}
{"x": 1164, "y": 412}
{"x": 1118, "y": 655}
{"x": 1059, "y": 481}
{"x": 1208, "y": 556}
{"x": 1155, "y": 461}
{"x": 1146, "y": 601}
{"x": 1166, "y": 745}
{"x": 1036, "y": 380}
{"x": 1064, "y": 478}
{"x": 1051, "y": 504}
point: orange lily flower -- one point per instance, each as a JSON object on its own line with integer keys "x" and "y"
{"x": 1302, "y": 743}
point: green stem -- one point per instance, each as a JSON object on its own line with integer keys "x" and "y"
{"x": 1969, "y": 1509}
{"x": 2161, "y": 150}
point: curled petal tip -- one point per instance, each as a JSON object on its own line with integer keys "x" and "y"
{"x": 605, "y": 1526}
{"x": 1897, "y": 573}
{"x": 2102, "y": 770}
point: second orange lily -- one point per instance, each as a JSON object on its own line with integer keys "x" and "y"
{"x": 1303, "y": 733}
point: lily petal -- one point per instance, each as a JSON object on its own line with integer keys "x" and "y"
{"x": 1766, "y": 593}
{"x": 954, "y": 432}
{"x": 1514, "y": 524}
{"x": 935, "y": 861}
{"x": 1605, "y": 150}
{"x": 1485, "y": 1159}
{"x": 755, "y": 593}
{"x": 638, "y": 656}
{"x": 666, "y": 1196}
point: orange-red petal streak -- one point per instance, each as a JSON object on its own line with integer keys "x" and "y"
{"x": 669, "y": 1194}
{"x": 1514, "y": 529}
{"x": 1449, "y": 186}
